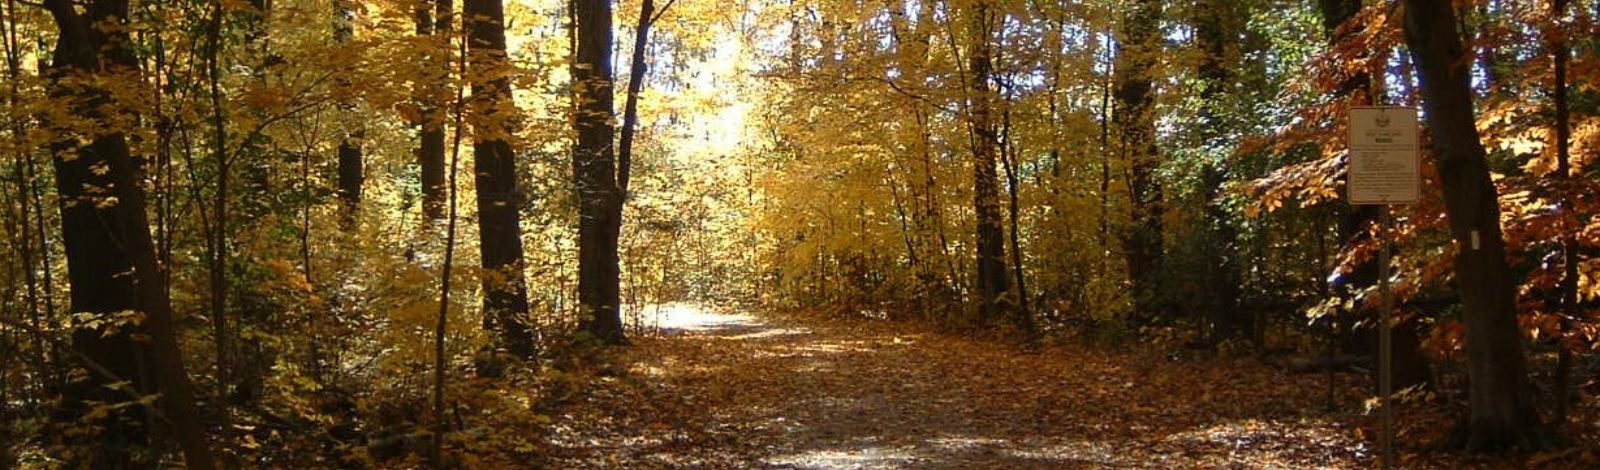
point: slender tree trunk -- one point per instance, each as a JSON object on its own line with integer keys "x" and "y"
{"x": 106, "y": 237}
{"x": 32, "y": 239}
{"x": 505, "y": 299}
{"x": 1135, "y": 122}
{"x": 1104, "y": 234}
{"x": 1570, "y": 310}
{"x": 992, "y": 280}
{"x": 1501, "y": 397}
{"x": 1023, "y": 313}
{"x": 23, "y": 244}
{"x": 630, "y": 114}
{"x": 217, "y": 237}
{"x": 442, "y": 323}
{"x": 595, "y": 172}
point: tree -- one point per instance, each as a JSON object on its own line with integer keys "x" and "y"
{"x": 992, "y": 279}
{"x": 1502, "y": 411}
{"x": 636, "y": 70}
{"x": 434, "y": 22}
{"x": 1217, "y": 29}
{"x": 595, "y": 173}
{"x": 505, "y": 292}
{"x": 106, "y": 236}
{"x": 1140, "y": 38}
{"x": 351, "y": 171}
{"x": 1571, "y": 310}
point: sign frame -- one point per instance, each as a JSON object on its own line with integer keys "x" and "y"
{"x": 1384, "y": 164}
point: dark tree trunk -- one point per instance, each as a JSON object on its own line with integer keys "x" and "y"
{"x": 594, "y": 170}
{"x": 992, "y": 278}
{"x": 106, "y": 236}
{"x": 630, "y": 113}
{"x": 217, "y": 233}
{"x": 1021, "y": 313}
{"x": 431, "y": 115}
{"x": 1570, "y": 257}
{"x": 1501, "y": 397}
{"x": 351, "y": 173}
{"x": 1140, "y": 36}
{"x": 1217, "y": 29}
{"x": 505, "y": 298}
{"x": 1410, "y": 367}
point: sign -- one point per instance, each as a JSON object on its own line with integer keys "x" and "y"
{"x": 1383, "y": 162}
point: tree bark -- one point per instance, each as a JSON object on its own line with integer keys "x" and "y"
{"x": 505, "y": 298}
{"x": 1217, "y": 26}
{"x": 1140, "y": 35}
{"x": 1502, "y": 410}
{"x": 595, "y": 172}
{"x": 993, "y": 281}
{"x": 431, "y": 115}
{"x": 630, "y": 113}
{"x": 352, "y": 175}
{"x": 111, "y": 260}
{"x": 1561, "y": 52}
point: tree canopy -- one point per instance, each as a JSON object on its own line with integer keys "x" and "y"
{"x": 358, "y": 233}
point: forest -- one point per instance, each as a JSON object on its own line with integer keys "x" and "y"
{"x": 798, "y": 234}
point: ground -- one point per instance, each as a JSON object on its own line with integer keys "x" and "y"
{"x": 716, "y": 390}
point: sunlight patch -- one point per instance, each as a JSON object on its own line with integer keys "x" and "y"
{"x": 772, "y": 333}
{"x": 692, "y": 317}
{"x": 1267, "y": 443}
{"x": 962, "y": 443}
{"x": 868, "y": 458}
{"x": 1096, "y": 452}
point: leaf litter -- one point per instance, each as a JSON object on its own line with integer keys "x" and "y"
{"x": 834, "y": 394}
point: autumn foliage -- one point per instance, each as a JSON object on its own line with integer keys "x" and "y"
{"x": 389, "y": 233}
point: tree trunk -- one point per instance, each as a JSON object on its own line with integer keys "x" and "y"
{"x": 218, "y": 236}
{"x": 1503, "y": 414}
{"x": 1140, "y": 36}
{"x": 630, "y": 113}
{"x": 1022, "y": 312}
{"x": 430, "y": 96}
{"x": 351, "y": 176}
{"x": 351, "y": 173}
{"x": 1217, "y": 26}
{"x": 505, "y": 292}
{"x": 992, "y": 278}
{"x": 106, "y": 236}
{"x": 1570, "y": 257}
{"x": 595, "y": 172}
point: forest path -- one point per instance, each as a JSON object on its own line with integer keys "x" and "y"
{"x": 732, "y": 391}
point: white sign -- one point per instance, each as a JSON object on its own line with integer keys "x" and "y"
{"x": 1383, "y": 162}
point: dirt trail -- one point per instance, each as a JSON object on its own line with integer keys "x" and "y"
{"x": 718, "y": 391}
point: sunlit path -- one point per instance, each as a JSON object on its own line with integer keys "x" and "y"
{"x": 693, "y": 317}
{"x": 728, "y": 390}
